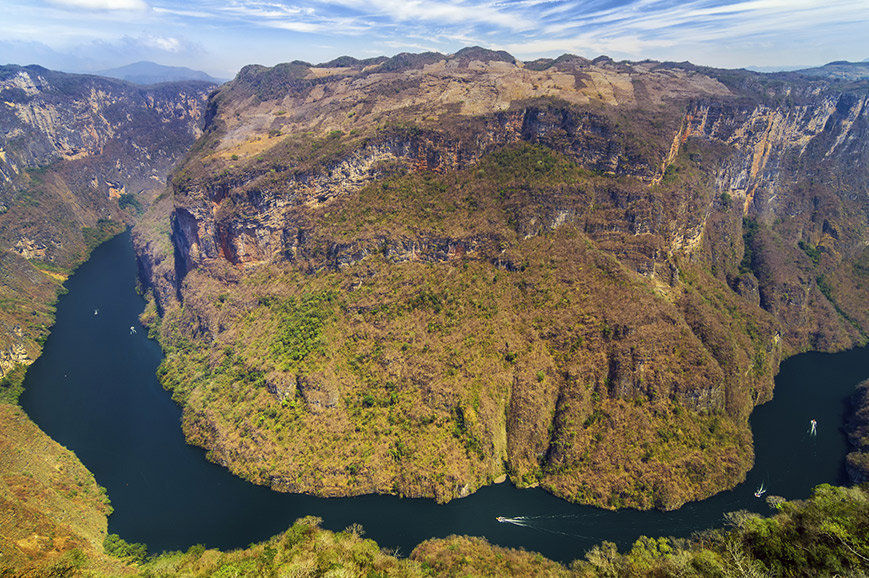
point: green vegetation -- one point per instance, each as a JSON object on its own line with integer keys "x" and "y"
{"x": 299, "y": 331}
{"x": 105, "y": 229}
{"x": 130, "y": 200}
{"x": 811, "y": 251}
{"x": 116, "y": 546}
{"x": 11, "y": 384}
{"x": 453, "y": 334}
{"x": 749, "y": 231}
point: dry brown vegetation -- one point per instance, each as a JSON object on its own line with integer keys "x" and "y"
{"x": 52, "y": 512}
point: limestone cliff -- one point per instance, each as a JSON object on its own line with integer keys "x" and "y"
{"x": 79, "y": 156}
{"x": 411, "y": 275}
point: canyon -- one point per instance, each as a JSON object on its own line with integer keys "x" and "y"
{"x": 80, "y": 158}
{"x": 422, "y": 274}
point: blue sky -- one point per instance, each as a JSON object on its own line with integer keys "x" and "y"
{"x": 219, "y": 37}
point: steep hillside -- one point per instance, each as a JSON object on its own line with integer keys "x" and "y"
{"x": 79, "y": 157}
{"x": 52, "y": 512}
{"x": 857, "y": 427}
{"x": 414, "y": 275}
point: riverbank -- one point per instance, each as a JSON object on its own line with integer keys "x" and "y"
{"x": 52, "y": 511}
{"x": 827, "y": 535}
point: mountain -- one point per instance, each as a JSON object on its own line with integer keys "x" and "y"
{"x": 444, "y": 267}
{"x": 839, "y": 70}
{"x": 422, "y": 274}
{"x": 151, "y": 73}
{"x": 775, "y": 68}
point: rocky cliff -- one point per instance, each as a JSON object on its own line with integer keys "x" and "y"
{"x": 416, "y": 274}
{"x": 79, "y": 157}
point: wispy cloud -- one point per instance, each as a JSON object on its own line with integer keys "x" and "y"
{"x": 639, "y": 27}
{"x": 164, "y": 43}
{"x": 101, "y": 4}
{"x": 722, "y": 32}
{"x": 276, "y": 15}
{"x": 182, "y": 12}
{"x": 459, "y": 12}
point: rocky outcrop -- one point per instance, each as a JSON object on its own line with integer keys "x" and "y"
{"x": 798, "y": 169}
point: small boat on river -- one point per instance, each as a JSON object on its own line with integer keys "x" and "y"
{"x": 760, "y": 491}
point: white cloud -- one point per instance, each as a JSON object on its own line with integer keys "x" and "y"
{"x": 642, "y": 28}
{"x": 101, "y": 4}
{"x": 187, "y": 13}
{"x": 164, "y": 43}
{"x": 290, "y": 17}
{"x": 443, "y": 11}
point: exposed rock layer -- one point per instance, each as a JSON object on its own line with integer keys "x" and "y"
{"x": 717, "y": 221}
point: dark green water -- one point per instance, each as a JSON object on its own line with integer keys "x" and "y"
{"x": 94, "y": 390}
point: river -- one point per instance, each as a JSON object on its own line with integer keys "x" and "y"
{"x": 94, "y": 390}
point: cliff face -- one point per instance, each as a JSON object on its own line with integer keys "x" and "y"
{"x": 79, "y": 157}
{"x": 799, "y": 169}
{"x": 412, "y": 275}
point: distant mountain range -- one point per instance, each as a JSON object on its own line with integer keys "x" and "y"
{"x": 767, "y": 69}
{"x": 152, "y": 73}
{"x": 841, "y": 69}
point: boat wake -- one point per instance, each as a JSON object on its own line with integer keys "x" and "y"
{"x": 536, "y": 523}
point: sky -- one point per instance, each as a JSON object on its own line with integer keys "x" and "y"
{"x": 221, "y": 36}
